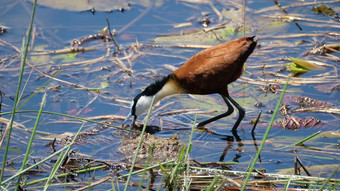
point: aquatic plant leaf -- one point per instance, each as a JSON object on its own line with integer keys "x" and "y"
{"x": 103, "y": 85}
{"x": 196, "y": 36}
{"x": 228, "y": 30}
{"x": 308, "y": 102}
{"x": 323, "y": 9}
{"x": 327, "y": 88}
{"x": 85, "y": 5}
{"x": 292, "y": 67}
{"x": 294, "y": 123}
{"x": 40, "y": 58}
{"x": 330, "y": 134}
{"x": 233, "y": 14}
{"x": 95, "y": 5}
{"x": 312, "y": 169}
{"x": 225, "y": 31}
{"x": 71, "y": 57}
{"x": 299, "y": 67}
{"x": 303, "y": 64}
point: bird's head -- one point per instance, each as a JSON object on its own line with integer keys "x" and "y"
{"x": 138, "y": 106}
{"x": 142, "y": 101}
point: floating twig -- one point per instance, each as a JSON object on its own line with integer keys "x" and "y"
{"x": 318, "y": 109}
{"x": 3, "y": 29}
{"x": 109, "y": 28}
{"x": 291, "y": 18}
{"x": 56, "y": 79}
{"x": 325, "y": 49}
{"x": 273, "y": 8}
{"x": 64, "y": 51}
{"x": 10, "y": 45}
{"x": 257, "y": 120}
{"x": 298, "y": 161}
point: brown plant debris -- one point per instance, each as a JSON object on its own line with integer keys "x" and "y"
{"x": 64, "y": 51}
{"x": 3, "y": 29}
{"x": 294, "y": 123}
{"x": 325, "y": 49}
{"x": 269, "y": 88}
{"x": 83, "y": 137}
{"x": 103, "y": 35}
{"x": 307, "y": 102}
{"x": 164, "y": 149}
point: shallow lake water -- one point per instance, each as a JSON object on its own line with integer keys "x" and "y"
{"x": 153, "y": 40}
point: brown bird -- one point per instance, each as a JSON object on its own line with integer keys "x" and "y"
{"x": 207, "y": 72}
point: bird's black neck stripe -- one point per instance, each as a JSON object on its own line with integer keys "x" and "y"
{"x": 151, "y": 90}
{"x": 155, "y": 87}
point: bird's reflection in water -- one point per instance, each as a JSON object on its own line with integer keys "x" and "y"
{"x": 255, "y": 145}
{"x": 186, "y": 121}
{"x": 230, "y": 143}
{"x": 152, "y": 129}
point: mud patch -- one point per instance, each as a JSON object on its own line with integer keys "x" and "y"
{"x": 164, "y": 149}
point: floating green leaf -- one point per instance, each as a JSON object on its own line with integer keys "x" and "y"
{"x": 323, "y": 9}
{"x": 299, "y": 67}
{"x": 70, "y": 57}
{"x": 304, "y": 64}
{"x": 292, "y": 67}
{"x": 103, "y": 85}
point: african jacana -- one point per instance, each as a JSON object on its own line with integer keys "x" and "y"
{"x": 208, "y": 72}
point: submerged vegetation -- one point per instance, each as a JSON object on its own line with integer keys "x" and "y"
{"x": 68, "y": 146}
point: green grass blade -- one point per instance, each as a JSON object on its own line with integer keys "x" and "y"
{"x": 212, "y": 184}
{"x": 38, "y": 90}
{"x": 329, "y": 178}
{"x": 301, "y": 141}
{"x": 10, "y": 125}
{"x": 163, "y": 169}
{"x": 148, "y": 168}
{"x": 265, "y": 135}
{"x": 34, "y": 165}
{"x": 190, "y": 140}
{"x": 31, "y": 140}
{"x": 66, "y": 174}
{"x": 22, "y": 67}
{"x": 287, "y": 185}
{"x": 174, "y": 172}
{"x": 24, "y": 86}
{"x": 306, "y": 139}
{"x": 62, "y": 158}
{"x": 160, "y": 185}
{"x": 113, "y": 185}
{"x": 186, "y": 158}
{"x": 139, "y": 144}
{"x": 148, "y": 160}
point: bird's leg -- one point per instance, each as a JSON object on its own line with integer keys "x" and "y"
{"x": 229, "y": 111}
{"x": 241, "y": 113}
